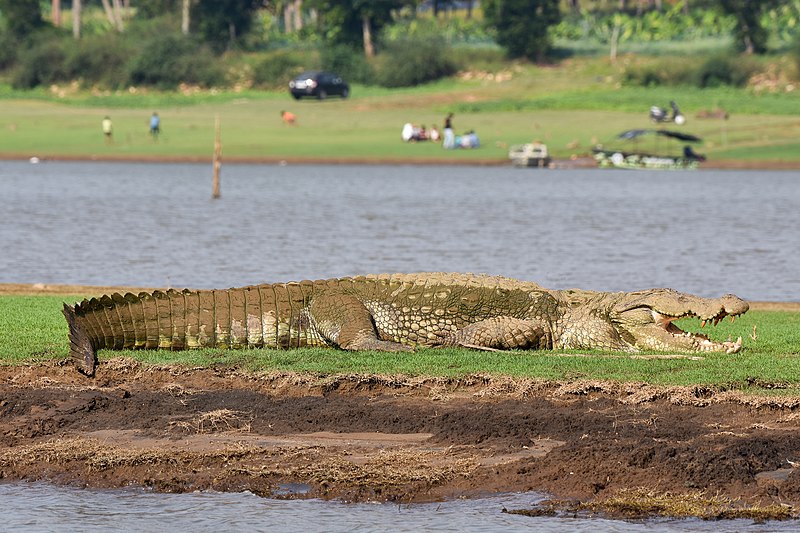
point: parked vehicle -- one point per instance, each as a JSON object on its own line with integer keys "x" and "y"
{"x": 659, "y": 114}
{"x": 318, "y": 84}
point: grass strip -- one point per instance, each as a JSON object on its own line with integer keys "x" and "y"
{"x": 33, "y": 330}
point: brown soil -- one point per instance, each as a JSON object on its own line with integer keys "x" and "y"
{"x": 383, "y": 438}
{"x": 388, "y": 438}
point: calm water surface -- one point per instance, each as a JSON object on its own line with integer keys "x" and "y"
{"x": 706, "y": 232}
{"x": 40, "y": 508}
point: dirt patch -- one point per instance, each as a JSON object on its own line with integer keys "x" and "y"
{"x": 380, "y": 438}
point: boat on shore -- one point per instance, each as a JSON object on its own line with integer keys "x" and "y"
{"x": 631, "y": 156}
{"x": 529, "y": 155}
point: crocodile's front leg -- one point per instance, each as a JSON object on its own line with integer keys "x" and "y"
{"x": 344, "y": 321}
{"x": 502, "y": 333}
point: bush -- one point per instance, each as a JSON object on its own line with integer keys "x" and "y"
{"x": 349, "y": 63}
{"x": 405, "y": 63}
{"x": 101, "y": 60}
{"x": 732, "y": 70}
{"x": 171, "y": 59}
{"x": 668, "y": 72}
{"x": 277, "y": 68}
{"x": 41, "y": 64}
{"x": 795, "y": 53}
{"x": 490, "y": 58}
{"x": 720, "y": 70}
{"x": 8, "y": 50}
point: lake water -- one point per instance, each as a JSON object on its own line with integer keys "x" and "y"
{"x": 705, "y": 232}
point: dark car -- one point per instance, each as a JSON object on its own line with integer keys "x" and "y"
{"x": 319, "y": 85}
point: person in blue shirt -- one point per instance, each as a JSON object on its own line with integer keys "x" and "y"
{"x": 155, "y": 125}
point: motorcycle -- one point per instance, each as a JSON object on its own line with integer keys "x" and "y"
{"x": 659, "y": 114}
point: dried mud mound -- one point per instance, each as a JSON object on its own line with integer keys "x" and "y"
{"x": 396, "y": 439}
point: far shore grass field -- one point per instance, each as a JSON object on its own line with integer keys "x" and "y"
{"x": 571, "y": 107}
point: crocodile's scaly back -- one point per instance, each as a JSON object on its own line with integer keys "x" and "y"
{"x": 394, "y": 312}
{"x": 407, "y": 309}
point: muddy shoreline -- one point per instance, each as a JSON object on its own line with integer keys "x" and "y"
{"x": 379, "y": 438}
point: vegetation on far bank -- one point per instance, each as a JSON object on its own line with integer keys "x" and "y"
{"x": 605, "y": 68}
{"x": 571, "y": 108}
{"x": 32, "y": 330}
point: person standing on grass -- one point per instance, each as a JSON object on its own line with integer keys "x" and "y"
{"x": 449, "y": 140}
{"x": 155, "y": 125}
{"x": 108, "y": 130}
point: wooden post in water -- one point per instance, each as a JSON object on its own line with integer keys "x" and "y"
{"x": 217, "y": 161}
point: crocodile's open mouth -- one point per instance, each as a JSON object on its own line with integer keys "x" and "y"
{"x": 698, "y": 341}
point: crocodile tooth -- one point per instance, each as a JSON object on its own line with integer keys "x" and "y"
{"x": 703, "y": 324}
{"x": 734, "y": 347}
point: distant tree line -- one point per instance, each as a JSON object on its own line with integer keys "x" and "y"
{"x": 156, "y": 41}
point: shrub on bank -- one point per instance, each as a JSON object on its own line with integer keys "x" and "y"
{"x": 721, "y": 70}
{"x": 276, "y": 68}
{"x": 348, "y": 62}
{"x": 717, "y": 71}
{"x": 168, "y": 60}
{"x": 795, "y": 52}
{"x": 100, "y": 60}
{"x": 43, "y": 63}
{"x": 406, "y": 63}
{"x": 666, "y": 71}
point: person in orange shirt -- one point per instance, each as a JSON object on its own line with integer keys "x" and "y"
{"x": 288, "y": 118}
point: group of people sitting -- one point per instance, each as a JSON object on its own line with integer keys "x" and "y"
{"x": 413, "y": 133}
{"x": 468, "y": 140}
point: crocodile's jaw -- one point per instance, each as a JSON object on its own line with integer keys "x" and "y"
{"x": 645, "y": 321}
{"x": 671, "y": 337}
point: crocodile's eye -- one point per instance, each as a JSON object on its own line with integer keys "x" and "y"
{"x": 640, "y": 315}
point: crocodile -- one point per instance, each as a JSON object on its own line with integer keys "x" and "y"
{"x": 395, "y": 312}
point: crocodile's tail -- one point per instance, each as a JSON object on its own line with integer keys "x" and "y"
{"x": 81, "y": 349}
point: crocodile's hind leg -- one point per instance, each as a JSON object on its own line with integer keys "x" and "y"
{"x": 502, "y": 333}
{"x": 344, "y": 321}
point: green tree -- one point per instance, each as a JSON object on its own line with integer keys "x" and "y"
{"x": 751, "y": 36}
{"x": 221, "y": 23}
{"x": 147, "y": 9}
{"x": 522, "y": 25}
{"x": 355, "y": 22}
{"x": 23, "y": 17}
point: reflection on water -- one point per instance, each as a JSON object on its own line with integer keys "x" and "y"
{"x": 39, "y": 507}
{"x": 705, "y": 232}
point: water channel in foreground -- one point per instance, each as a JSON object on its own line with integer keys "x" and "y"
{"x": 41, "y": 508}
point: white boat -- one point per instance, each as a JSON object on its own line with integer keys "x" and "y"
{"x": 529, "y": 155}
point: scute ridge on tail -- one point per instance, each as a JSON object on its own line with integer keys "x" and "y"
{"x": 80, "y": 345}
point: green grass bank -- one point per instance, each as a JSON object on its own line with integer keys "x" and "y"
{"x": 33, "y": 330}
